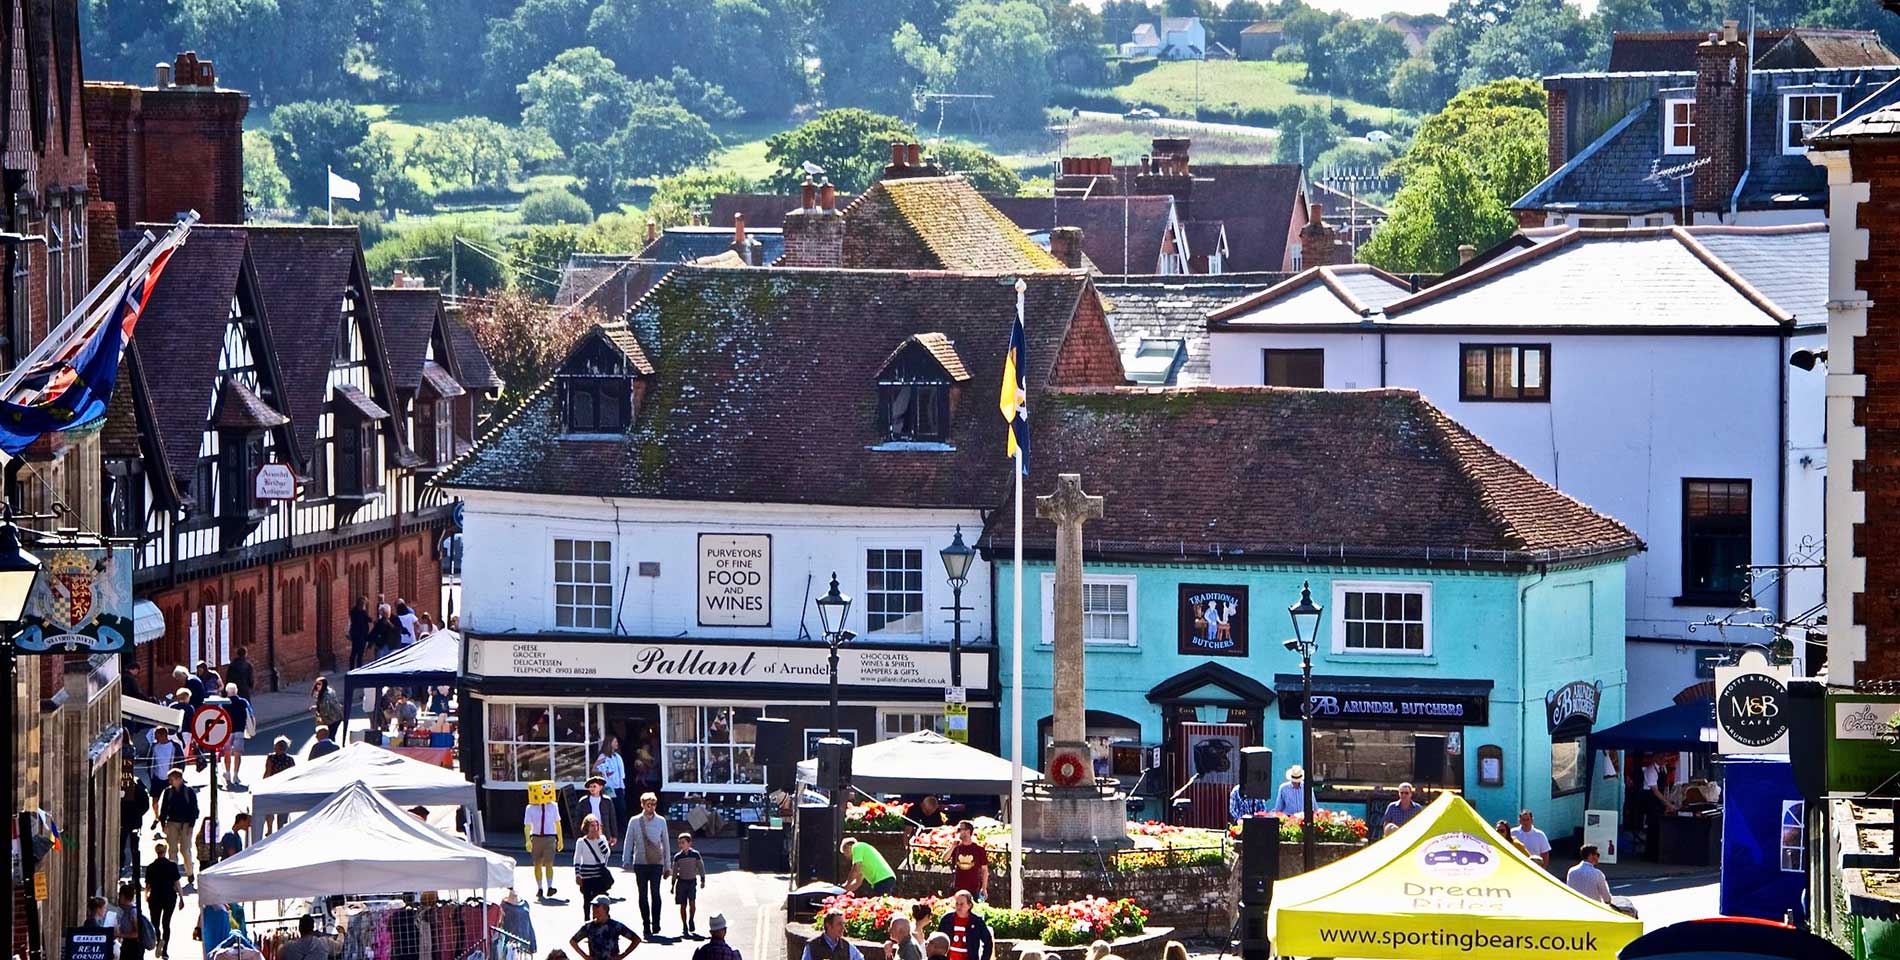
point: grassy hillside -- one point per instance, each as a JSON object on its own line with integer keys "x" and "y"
{"x": 1237, "y": 87}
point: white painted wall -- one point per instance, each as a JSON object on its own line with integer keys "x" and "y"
{"x": 1629, "y": 418}
{"x": 507, "y": 580}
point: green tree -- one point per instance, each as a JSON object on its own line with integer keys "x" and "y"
{"x": 703, "y": 99}
{"x": 1540, "y": 37}
{"x": 555, "y": 205}
{"x": 751, "y": 48}
{"x": 310, "y": 136}
{"x": 578, "y": 97}
{"x": 613, "y": 232}
{"x": 851, "y": 145}
{"x": 1076, "y": 57}
{"x": 265, "y": 186}
{"x": 427, "y": 250}
{"x": 530, "y": 36}
{"x": 658, "y": 140}
{"x": 1305, "y": 133}
{"x": 1466, "y": 167}
{"x": 1000, "y": 49}
{"x": 539, "y": 256}
{"x": 1363, "y": 54}
{"x": 1417, "y": 85}
{"x": 305, "y": 54}
{"x": 859, "y": 64}
{"x": 246, "y": 34}
{"x": 695, "y": 189}
{"x": 979, "y": 166}
{"x": 474, "y": 152}
{"x": 1355, "y": 155}
{"x": 389, "y": 185}
{"x": 1239, "y": 15}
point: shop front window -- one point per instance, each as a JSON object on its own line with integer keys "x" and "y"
{"x": 894, "y": 724}
{"x": 713, "y": 748}
{"x": 1364, "y": 762}
{"x": 1569, "y": 767}
{"x": 538, "y": 741}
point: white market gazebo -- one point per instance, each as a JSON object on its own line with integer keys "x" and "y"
{"x": 401, "y": 780}
{"x": 923, "y": 762}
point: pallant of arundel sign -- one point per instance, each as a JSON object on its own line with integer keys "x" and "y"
{"x": 735, "y": 580}
{"x": 690, "y": 661}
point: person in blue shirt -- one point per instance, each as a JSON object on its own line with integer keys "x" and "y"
{"x": 1239, "y": 807}
{"x": 1291, "y": 801}
{"x": 233, "y": 752}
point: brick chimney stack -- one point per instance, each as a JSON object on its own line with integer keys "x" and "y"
{"x": 814, "y": 233}
{"x": 1166, "y": 170}
{"x": 907, "y": 160}
{"x": 748, "y": 248}
{"x": 1721, "y": 105}
{"x": 176, "y": 145}
{"x": 1319, "y": 243}
{"x": 1065, "y": 244}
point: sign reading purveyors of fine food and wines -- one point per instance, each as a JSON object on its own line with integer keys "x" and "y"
{"x": 735, "y": 580}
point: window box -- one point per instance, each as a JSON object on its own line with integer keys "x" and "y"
{"x": 1382, "y": 618}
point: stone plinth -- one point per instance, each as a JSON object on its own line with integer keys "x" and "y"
{"x": 1095, "y": 814}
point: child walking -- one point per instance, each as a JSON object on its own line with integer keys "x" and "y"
{"x": 689, "y": 874}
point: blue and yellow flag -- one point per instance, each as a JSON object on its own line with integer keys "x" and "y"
{"x": 1015, "y": 395}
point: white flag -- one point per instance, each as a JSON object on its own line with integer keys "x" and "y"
{"x": 342, "y": 189}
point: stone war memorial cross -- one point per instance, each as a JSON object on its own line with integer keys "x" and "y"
{"x": 1067, "y": 508}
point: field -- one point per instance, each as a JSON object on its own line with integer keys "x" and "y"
{"x": 1238, "y": 87}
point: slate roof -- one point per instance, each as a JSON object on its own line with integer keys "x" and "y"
{"x": 1348, "y": 471}
{"x": 1119, "y": 234}
{"x": 936, "y": 223}
{"x": 1332, "y": 294}
{"x": 1607, "y": 174}
{"x": 1255, "y": 201}
{"x": 763, "y": 391}
{"x": 240, "y": 408}
{"x": 471, "y": 363}
{"x": 1784, "y": 47}
{"x": 181, "y": 334}
{"x": 409, "y": 315}
{"x": 1668, "y": 277}
{"x": 583, "y": 272}
{"x": 686, "y": 244}
{"x": 1169, "y": 311}
{"x": 1204, "y": 237}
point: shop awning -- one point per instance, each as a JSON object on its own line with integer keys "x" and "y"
{"x": 923, "y": 762}
{"x": 148, "y": 624}
{"x": 436, "y": 658}
{"x": 151, "y": 714}
{"x": 1443, "y": 887}
{"x": 1679, "y": 728}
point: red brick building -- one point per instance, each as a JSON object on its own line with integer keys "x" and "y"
{"x": 174, "y": 146}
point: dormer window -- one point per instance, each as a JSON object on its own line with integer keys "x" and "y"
{"x": 1804, "y": 113}
{"x": 917, "y": 388}
{"x": 1679, "y": 125}
{"x": 601, "y": 382}
{"x": 597, "y": 404}
{"x": 356, "y": 450}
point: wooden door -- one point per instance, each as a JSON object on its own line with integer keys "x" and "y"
{"x": 1209, "y": 753}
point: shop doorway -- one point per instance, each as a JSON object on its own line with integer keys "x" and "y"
{"x": 638, "y": 727}
{"x": 1208, "y": 764}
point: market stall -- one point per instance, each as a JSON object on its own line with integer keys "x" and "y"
{"x": 923, "y": 762}
{"x": 402, "y": 780}
{"x": 1443, "y": 886}
{"x": 434, "y": 660}
{"x": 1693, "y": 835}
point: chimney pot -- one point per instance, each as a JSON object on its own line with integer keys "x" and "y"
{"x": 653, "y": 232}
{"x": 827, "y": 197}
{"x": 738, "y": 228}
{"x": 1729, "y": 31}
{"x": 807, "y": 195}
{"x": 1316, "y": 213}
{"x": 397, "y": 278}
{"x": 163, "y": 73}
{"x": 897, "y": 154}
{"x": 1466, "y": 252}
{"x": 914, "y": 155}
{"x": 207, "y": 75}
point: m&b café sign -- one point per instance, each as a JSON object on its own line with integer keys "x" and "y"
{"x": 1751, "y": 706}
{"x": 82, "y": 601}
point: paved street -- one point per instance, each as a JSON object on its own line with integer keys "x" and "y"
{"x": 754, "y": 904}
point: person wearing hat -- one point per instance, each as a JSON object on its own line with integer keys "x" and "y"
{"x": 1292, "y": 799}
{"x": 595, "y": 803}
{"x": 717, "y": 948}
{"x": 602, "y": 935}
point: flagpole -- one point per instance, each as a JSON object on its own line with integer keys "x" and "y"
{"x": 1016, "y": 683}
{"x": 329, "y": 194}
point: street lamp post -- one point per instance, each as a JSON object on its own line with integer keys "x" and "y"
{"x": 833, "y": 607}
{"x": 18, "y": 570}
{"x": 1305, "y": 616}
{"x": 957, "y": 558}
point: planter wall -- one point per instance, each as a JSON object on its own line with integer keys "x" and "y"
{"x": 893, "y": 845}
{"x": 1151, "y": 944}
{"x": 1192, "y": 900}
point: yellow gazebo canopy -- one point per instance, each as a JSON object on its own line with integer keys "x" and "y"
{"x": 1443, "y": 886}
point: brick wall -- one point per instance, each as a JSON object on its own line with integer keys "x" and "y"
{"x": 813, "y": 238}
{"x": 1559, "y": 120}
{"x": 1089, "y": 356}
{"x": 1877, "y": 358}
{"x": 1721, "y": 93}
{"x": 162, "y": 152}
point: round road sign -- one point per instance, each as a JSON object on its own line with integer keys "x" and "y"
{"x": 211, "y": 727}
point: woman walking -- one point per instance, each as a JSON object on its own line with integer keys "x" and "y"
{"x": 325, "y": 705}
{"x": 591, "y": 857}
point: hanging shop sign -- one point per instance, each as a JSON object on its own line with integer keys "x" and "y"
{"x": 698, "y": 661}
{"x": 81, "y": 601}
{"x": 1573, "y": 703}
{"x": 735, "y": 580}
{"x": 1751, "y": 706}
{"x": 1213, "y": 620}
{"x": 275, "y": 481}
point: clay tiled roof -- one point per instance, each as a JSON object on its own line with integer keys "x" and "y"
{"x": 472, "y": 366}
{"x": 408, "y": 315}
{"x": 241, "y": 409}
{"x": 1348, "y": 472}
{"x": 941, "y": 349}
{"x": 764, "y": 391}
{"x": 936, "y": 223}
{"x": 1119, "y": 234}
{"x": 1255, "y": 201}
{"x": 181, "y": 333}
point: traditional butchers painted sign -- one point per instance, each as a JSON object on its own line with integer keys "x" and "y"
{"x": 1213, "y": 620}
{"x": 688, "y": 661}
{"x": 735, "y": 580}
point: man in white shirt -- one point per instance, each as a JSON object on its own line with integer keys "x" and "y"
{"x": 614, "y": 770}
{"x": 165, "y": 756}
{"x": 1533, "y": 839}
{"x": 596, "y": 803}
{"x": 1291, "y": 800}
{"x": 1586, "y": 879}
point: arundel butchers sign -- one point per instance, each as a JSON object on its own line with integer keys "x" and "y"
{"x": 687, "y": 661}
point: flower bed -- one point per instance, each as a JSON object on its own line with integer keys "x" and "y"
{"x": 1329, "y": 826}
{"x": 1058, "y": 925}
{"x": 875, "y": 816}
{"x": 1156, "y": 845}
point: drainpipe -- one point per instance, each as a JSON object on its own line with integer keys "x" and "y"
{"x": 1783, "y": 342}
{"x": 1523, "y": 678}
{"x": 1382, "y": 358}
{"x": 1748, "y": 121}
